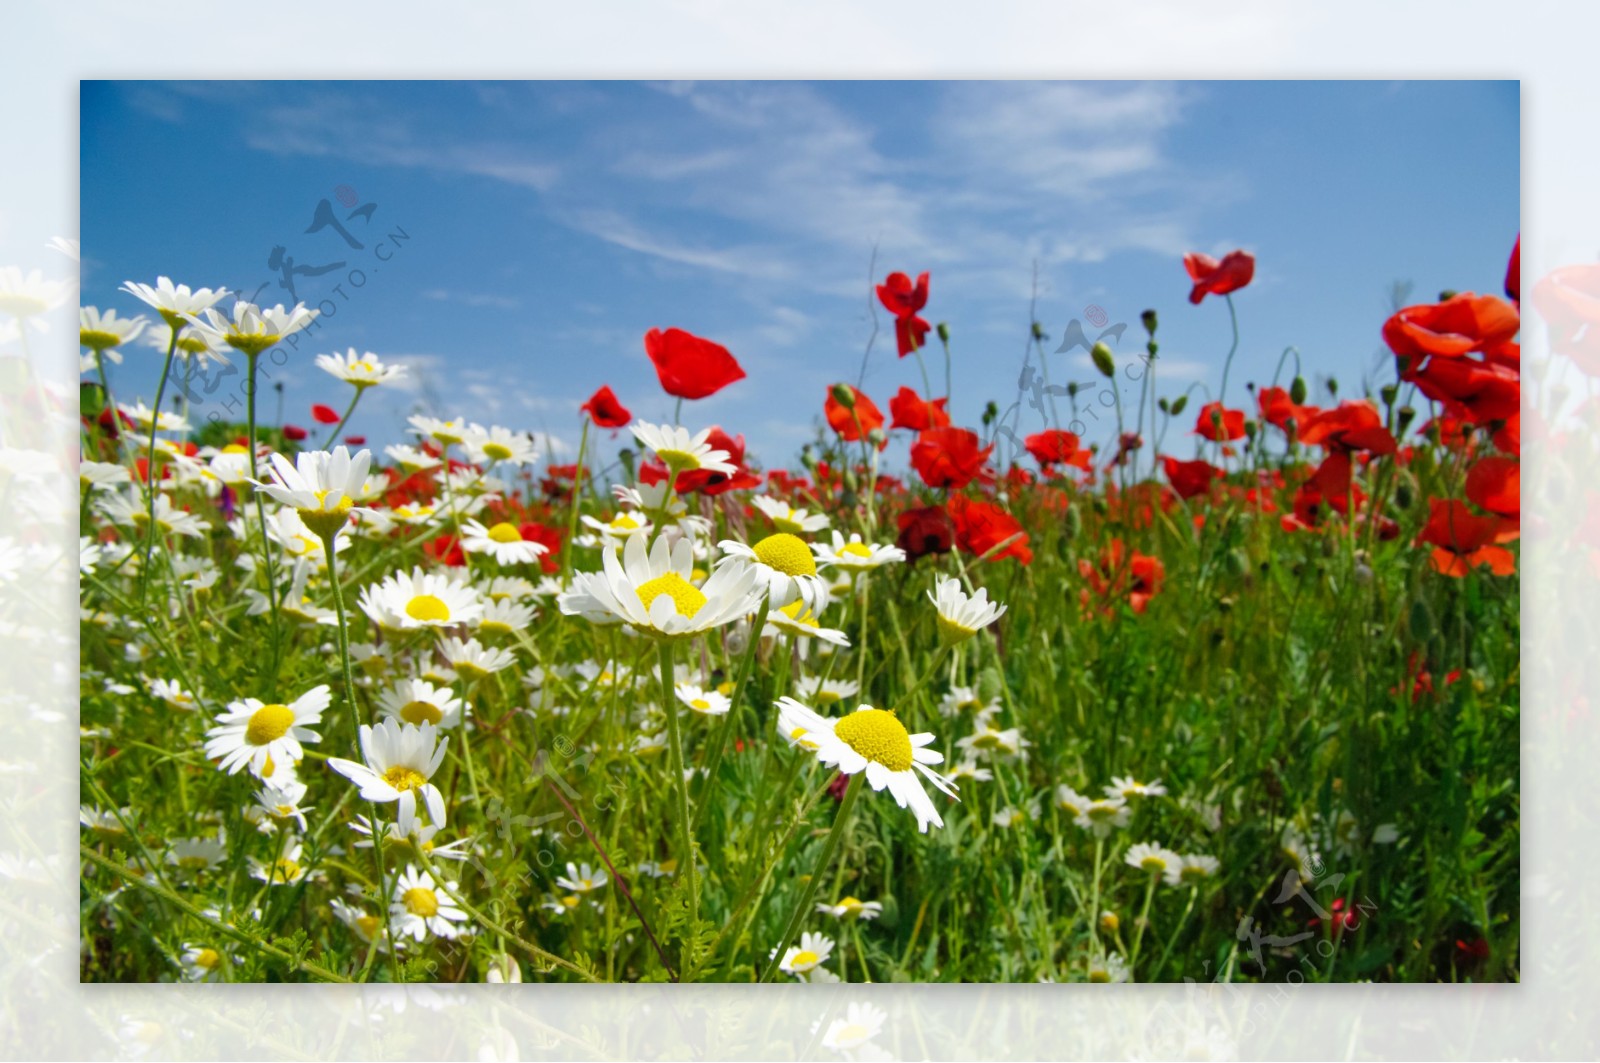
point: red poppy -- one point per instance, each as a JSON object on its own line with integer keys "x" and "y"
{"x": 690, "y": 367}
{"x": 903, "y": 299}
{"x": 1211, "y": 277}
{"x": 1054, "y": 446}
{"x": 924, "y": 531}
{"x": 1340, "y": 918}
{"x": 550, "y": 538}
{"x": 1569, "y": 301}
{"x": 1138, "y": 576}
{"x": 1460, "y": 324}
{"x": 1277, "y": 408}
{"x": 909, "y": 410}
{"x": 1475, "y": 390}
{"x": 1218, "y": 424}
{"x": 852, "y": 424}
{"x": 1478, "y": 948}
{"x": 1463, "y": 540}
{"x": 445, "y": 549}
{"x": 1349, "y": 426}
{"x": 294, "y": 432}
{"x": 950, "y": 457}
{"x": 1495, "y": 484}
{"x": 717, "y": 483}
{"x": 981, "y": 526}
{"x": 1422, "y": 678}
{"x": 324, "y": 414}
{"x": 604, "y": 409}
{"x": 1190, "y": 478}
{"x": 356, "y": 441}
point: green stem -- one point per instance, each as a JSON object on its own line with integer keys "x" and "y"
{"x": 730, "y": 722}
{"x": 1138, "y": 931}
{"x": 809, "y": 892}
{"x": 334, "y": 436}
{"x": 572, "y": 519}
{"x": 1233, "y": 320}
{"x": 152, "y": 481}
{"x": 686, "y": 860}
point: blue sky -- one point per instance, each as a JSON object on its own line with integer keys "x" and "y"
{"x": 549, "y": 225}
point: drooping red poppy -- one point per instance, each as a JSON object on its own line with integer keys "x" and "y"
{"x": 690, "y": 367}
{"x": 853, "y": 424}
{"x": 294, "y": 432}
{"x": 909, "y": 410}
{"x": 982, "y": 526}
{"x": 1218, "y": 424}
{"x": 923, "y": 531}
{"x": 324, "y": 414}
{"x": 1352, "y": 425}
{"x": 1457, "y": 326}
{"x": 1055, "y": 446}
{"x": 904, "y": 299}
{"x": 1190, "y": 478}
{"x": 951, "y": 457}
{"x": 1462, "y": 540}
{"x": 605, "y": 411}
{"x": 1212, "y": 277}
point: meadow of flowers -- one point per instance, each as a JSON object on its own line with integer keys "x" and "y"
{"x": 1234, "y": 699}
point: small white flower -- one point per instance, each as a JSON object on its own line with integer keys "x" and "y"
{"x": 418, "y": 909}
{"x": 254, "y": 734}
{"x": 680, "y": 451}
{"x": 362, "y": 370}
{"x": 400, "y": 762}
{"x": 504, "y": 542}
{"x": 175, "y": 303}
{"x": 786, "y": 518}
{"x": 1153, "y": 859}
{"x": 812, "y": 952}
{"x": 582, "y": 879}
{"x": 251, "y": 328}
{"x": 705, "y": 702}
{"x": 960, "y": 616}
{"x": 1193, "y": 869}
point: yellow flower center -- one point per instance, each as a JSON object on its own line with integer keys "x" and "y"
{"x": 1099, "y": 810}
{"x": 419, "y": 900}
{"x": 786, "y": 553}
{"x": 1153, "y": 863}
{"x": 1109, "y": 922}
{"x": 428, "y": 608}
{"x": 97, "y": 340}
{"x": 251, "y": 343}
{"x": 1193, "y": 874}
{"x": 860, "y": 550}
{"x": 1099, "y": 974}
{"x": 828, "y": 697}
{"x": 987, "y": 740}
{"x": 678, "y": 460}
{"x": 623, "y": 522}
{"x": 700, "y": 705}
{"x": 794, "y": 610}
{"x": 193, "y": 345}
{"x": 805, "y": 958}
{"x": 571, "y": 901}
{"x": 270, "y": 723}
{"x": 877, "y": 735}
{"x": 420, "y": 712}
{"x": 403, "y": 778}
{"x": 207, "y": 958}
{"x": 788, "y": 523}
{"x": 951, "y": 632}
{"x": 686, "y": 597}
{"x": 853, "y": 1031}
{"x": 286, "y": 870}
{"x": 367, "y": 925}
{"x": 497, "y": 451}
{"x": 505, "y": 533}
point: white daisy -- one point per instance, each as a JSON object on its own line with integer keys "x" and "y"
{"x": 447, "y": 432}
{"x": 786, "y": 565}
{"x": 786, "y": 518}
{"x": 860, "y": 1024}
{"x": 850, "y": 909}
{"x": 418, "y": 909}
{"x": 416, "y": 599}
{"x": 503, "y": 617}
{"x": 285, "y": 870}
{"x": 1193, "y": 869}
{"x": 812, "y": 952}
{"x": 680, "y": 451}
{"x": 1128, "y": 788}
{"x": 252, "y": 733}
{"x": 202, "y": 963}
{"x": 1152, "y": 859}
{"x": 705, "y": 702}
{"x": 400, "y": 761}
{"x": 104, "y": 332}
{"x": 969, "y": 769}
{"x": 959, "y": 700}
{"x": 990, "y": 741}
{"x": 503, "y": 541}
{"x": 198, "y": 854}
{"x": 362, "y": 370}
{"x": 796, "y": 619}
{"x": 582, "y": 879}
{"x": 490, "y": 446}
{"x": 1109, "y": 968}
{"x": 960, "y": 616}
{"x": 820, "y": 691}
{"x": 411, "y": 458}
{"x": 201, "y": 347}
{"x": 1071, "y": 801}
{"x": 508, "y": 588}
{"x": 855, "y": 555}
{"x": 96, "y": 474}
{"x": 503, "y": 969}
{"x": 175, "y": 303}
{"x": 281, "y": 801}
{"x": 1104, "y": 816}
{"x": 417, "y": 701}
{"x": 143, "y": 416}
{"x": 473, "y": 659}
{"x": 251, "y": 328}
{"x": 874, "y": 741}
{"x": 619, "y": 529}
{"x": 366, "y": 925}
{"x": 652, "y": 591}
{"x": 320, "y": 486}
{"x": 171, "y": 691}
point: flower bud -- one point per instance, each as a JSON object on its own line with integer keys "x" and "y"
{"x": 1387, "y": 393}
{"x": 1297, "y": 391}
{"x": 1178, "y": 404}
{"x": 1038, "y": 332}
{"x": 1148, "y": 318}
{"x": 1420, "y": 620}
{"x": 1072, "y": 525}
{"x": 877, "y": 437}
{"x": 944, "y": 332}
{"x": 1404, "y": 417}
{"x": 844, "y": 396}
{"x": 1163, "y": 405}
{"x": 1103, "y": 360}
{"x": 1108, "y": 920}
{"x": 1333, "y": 387}
{"x": 1446, "y": 295}
{"x": 990, "y": 412}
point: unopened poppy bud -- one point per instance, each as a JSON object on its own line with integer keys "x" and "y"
{"x": 1178, "y": 404}
{"x": 1404, "y": 416}
{"x": 944, "y": 332}
{"x": 844, "y": 396}
{"x": 1387, "y": 393}
{"x": 1420, "y": 620}
{"x": 850, "y": 481}
{"x": 1250, "y": 429}
{"x": 1148, "y": 318}
{"x": 990, "y": 685}
{"x": 990, "y": 412}
{"x": 1333, "y": 387}
{"x": 877, "y": 437}
{"x": 1038, "y": 332}
{"x": 1072, "y": 391}
{"x": 1072, "y": 524}
{"x": 1447, "y": 295}
{"x": 1297, "y": 391}
{"x": 626, "y": 457}
{"x": 1103, "y": 360}
{"x": 1404, "y": 492}
{"x": 1164, "y": 406}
